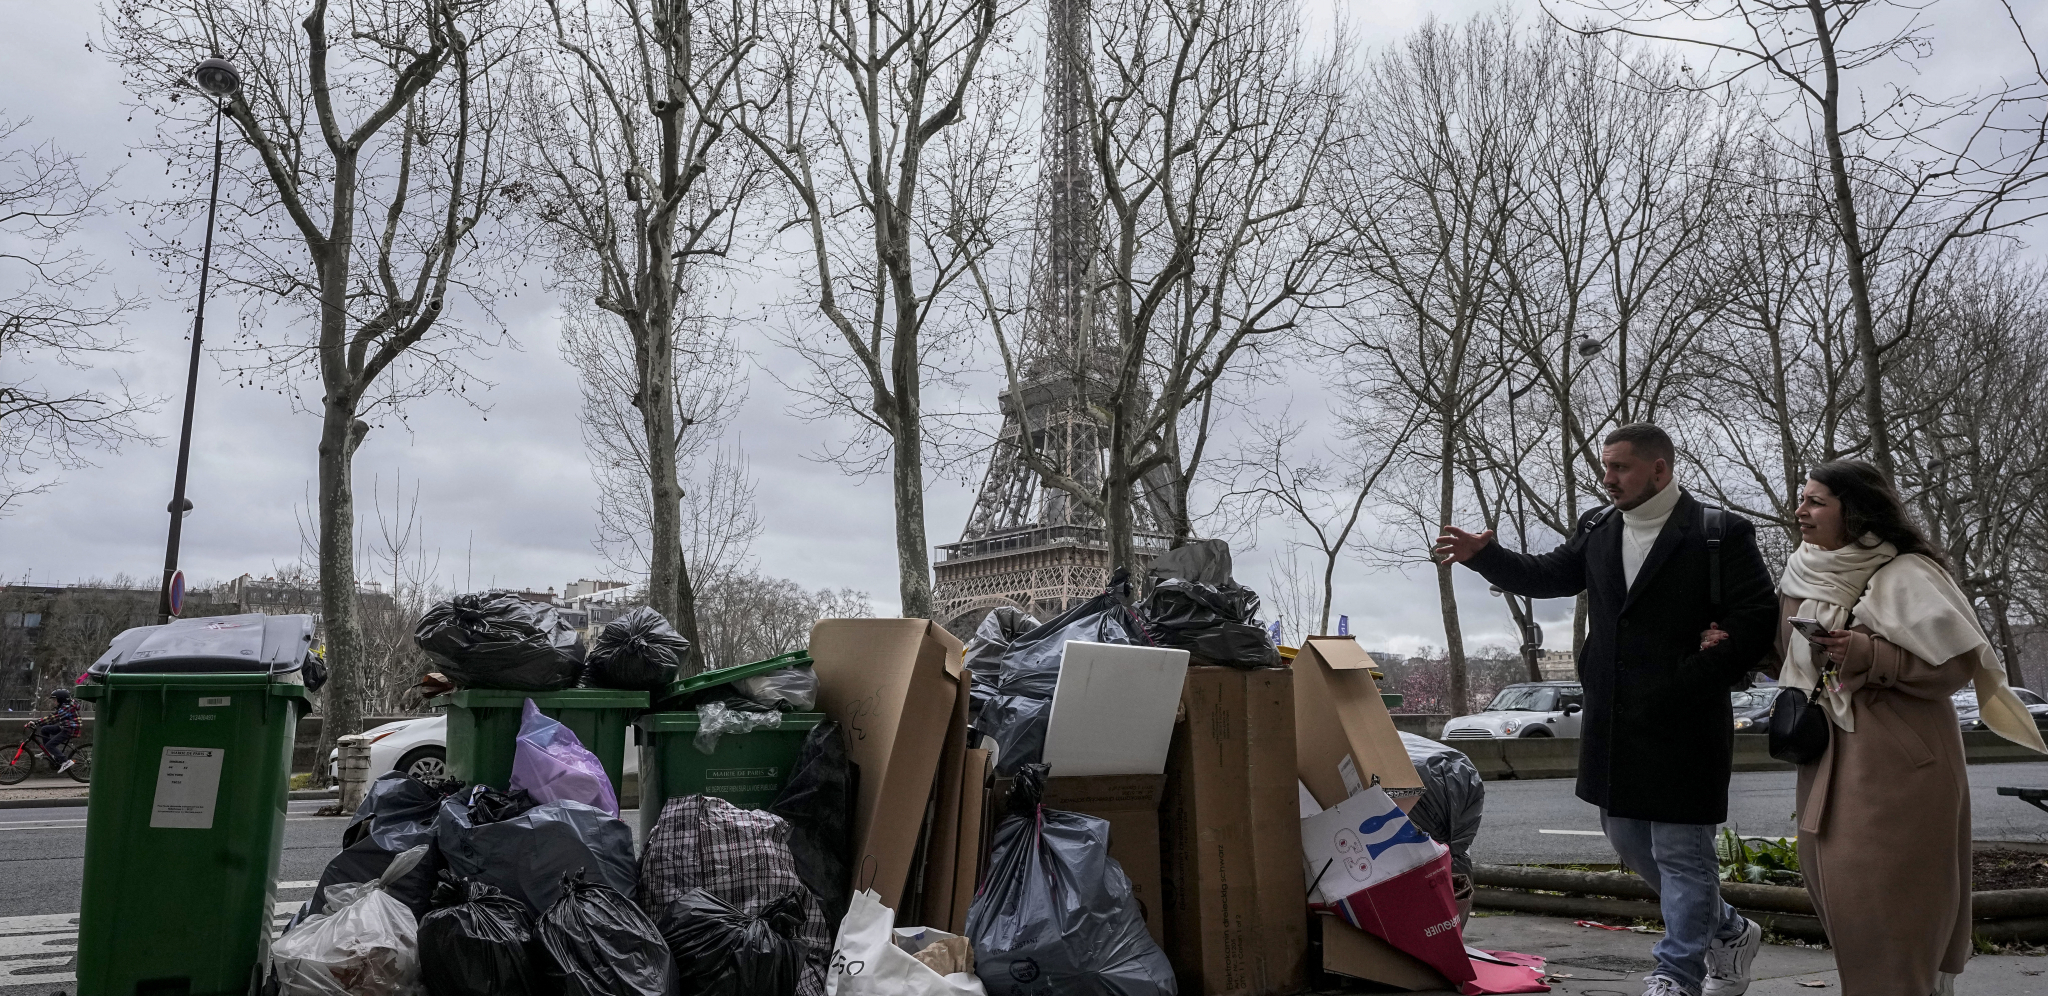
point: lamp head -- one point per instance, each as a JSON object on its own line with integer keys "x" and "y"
{"x": 1589, "y": 347}
{"x": 217, "y": 77}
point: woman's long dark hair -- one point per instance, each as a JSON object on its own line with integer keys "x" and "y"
{"x": 1871, "y": 506}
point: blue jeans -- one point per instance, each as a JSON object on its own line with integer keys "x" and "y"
{"x": 54, "y": 740}
{"x": 1677, "y": 859}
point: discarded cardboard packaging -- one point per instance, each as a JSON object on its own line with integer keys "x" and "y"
{"x": 1112, "y": 710}
{"x": 1350, "y": 951}
{"x": 1131, "y": 805}
{"x": 894, "y": 684}
{"x": 942, "y": 847}
{"x": 1230, "y": 836}
{"x": 1343, "y": 734}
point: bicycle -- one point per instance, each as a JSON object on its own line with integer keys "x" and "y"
{"x": 18, "y": 760}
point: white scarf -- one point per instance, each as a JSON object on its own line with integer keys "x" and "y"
{"x": 1913, "y": 604}
{"x": 1828, "y": 584}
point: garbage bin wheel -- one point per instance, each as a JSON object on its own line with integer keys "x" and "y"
{"x": 16, "y": 761}
{"x": 82, "y": 771}
{"x": 424, "y": 763}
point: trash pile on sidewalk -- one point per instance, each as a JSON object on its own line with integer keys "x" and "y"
{"x": 1118, "y": 801}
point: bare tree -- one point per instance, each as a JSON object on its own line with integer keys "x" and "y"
{"x": 53, "y": 310}
{"x": 750, "y": 617}
{"x": 850, "y": 99}
{"x": 639, "y": 184}
{"x": 376, "y": 140}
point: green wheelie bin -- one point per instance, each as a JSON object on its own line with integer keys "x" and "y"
{"x": 483, "y": 728}
{"x": 746, "y": 769}
{"x": 194, "y": 724}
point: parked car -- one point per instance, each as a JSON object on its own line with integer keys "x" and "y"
{"x": 1531, "y": 709}
{"x": 1753, "y": 708}
{"x": 1966, "y": 707}
{"x": 417, "y": 747}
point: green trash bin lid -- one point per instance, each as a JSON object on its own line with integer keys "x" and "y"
{"x": 567, "y": 698}
{"x": 709, "y": 679}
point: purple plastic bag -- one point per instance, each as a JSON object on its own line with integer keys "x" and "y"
{"x": 553, "y": 766}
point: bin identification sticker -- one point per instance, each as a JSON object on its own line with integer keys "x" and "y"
{"x": 187, "y": 785}
{"x": 214, "y": 702}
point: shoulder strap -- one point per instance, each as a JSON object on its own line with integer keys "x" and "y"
{"x": 1716, "y": 522}
{"x": 1593, "y": 521}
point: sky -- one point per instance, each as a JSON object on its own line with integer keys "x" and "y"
{"x": 505, "y": 492}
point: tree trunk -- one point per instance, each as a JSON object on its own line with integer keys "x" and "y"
{"x": 2008, "y": 645}
{"x": 341, "y": 699}
{"x": 658, "y": 423}
{"x": 686, "y": 617}
{"x": 1454, "y": 637}
{"x": 913, "y": 560}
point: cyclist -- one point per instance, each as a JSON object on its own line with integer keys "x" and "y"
{"x": 58, "y": 727}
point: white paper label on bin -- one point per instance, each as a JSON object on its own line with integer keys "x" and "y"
{"x": 1347, "y": 769}
{"x": 187, "y": 785}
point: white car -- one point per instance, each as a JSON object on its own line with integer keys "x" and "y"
{"x": 417, "y": 746}
{"x": 1531, "y": 709}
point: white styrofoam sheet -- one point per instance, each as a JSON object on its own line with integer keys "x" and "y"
{"x": 1112, "y": 711}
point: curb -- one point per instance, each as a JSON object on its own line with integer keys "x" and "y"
{"x": 78, "y": 801}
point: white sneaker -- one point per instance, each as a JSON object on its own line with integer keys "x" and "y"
{"x": 1944, "y": 984}
{"x": 66, "y": 766}
{"x": 1728, "y": 961}
{"x": 1664, "y": 985}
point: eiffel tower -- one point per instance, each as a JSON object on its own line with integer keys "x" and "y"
{"x": 1028, "y": 544}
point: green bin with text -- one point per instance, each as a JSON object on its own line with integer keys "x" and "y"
{"x": 483, "y": 728}
{"x": 745, "y": 769}
{"x": 185, "y": 820}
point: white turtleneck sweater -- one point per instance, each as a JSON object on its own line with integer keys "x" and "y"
{"x": 1640, "y": 526}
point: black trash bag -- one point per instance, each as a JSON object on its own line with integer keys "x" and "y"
{"x": 1032, "y": 665}
{"x": 488, "y": 805}
{"x": 992, "y": 639}
{"x": 721, "y": 951}
{"x": 1453, "y": 797}
{"x": 396, "y": 815}
{"x": 638, "y": 650}
{"x": 1017, "y": 724}
{"x": 495, "y": 639}
{"x": 1055, "y": 913}
{"x": 597, "y": 943}
{"x": 526, "y": 855}
{"x": 482, "y": 945}
{"x": 1201, "y": 561}
{"x": 818, "y": 802}
{"x": 1215, "y": 624}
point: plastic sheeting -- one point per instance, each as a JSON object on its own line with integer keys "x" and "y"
{"x": 551, "y": 765}
{"x": 1453, "y": 797}
{"x": 369, "y": 945}
{"x": 495, "y": 639}
{"x": 1056, "y": 913}
{"x": 526, "y": 855}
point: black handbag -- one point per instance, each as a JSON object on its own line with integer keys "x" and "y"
{"x": 1799, "y": 726}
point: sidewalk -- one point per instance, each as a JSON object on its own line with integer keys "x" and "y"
{"x": 1612, "y": 963}
{"x": 41, "y": 789}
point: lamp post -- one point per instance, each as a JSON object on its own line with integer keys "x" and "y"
{"x": 217, "y": 78}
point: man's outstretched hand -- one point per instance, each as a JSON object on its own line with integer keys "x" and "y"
{"x": 1456, "y": 546}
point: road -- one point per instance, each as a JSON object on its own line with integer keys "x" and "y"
{"x": 1526, "y": 821}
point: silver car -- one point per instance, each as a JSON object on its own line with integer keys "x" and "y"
{"x": 1532, "y": 709}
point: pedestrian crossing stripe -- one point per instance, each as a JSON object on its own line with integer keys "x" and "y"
{"x": 40, "y": 950}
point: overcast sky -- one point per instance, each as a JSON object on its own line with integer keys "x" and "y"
{"x": 506, "y": 494}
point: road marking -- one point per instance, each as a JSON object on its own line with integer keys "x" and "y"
{"x": 80, "y": 824}
{"x": 1577, "y": 833}
{"x": 39, "y": 950}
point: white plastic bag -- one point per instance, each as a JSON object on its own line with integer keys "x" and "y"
{"x": 368, "y": 945}
{"x": 870, "y": 958}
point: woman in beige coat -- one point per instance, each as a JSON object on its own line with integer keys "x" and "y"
{"x": 1884, "y": 815}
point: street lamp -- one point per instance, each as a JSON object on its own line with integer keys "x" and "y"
{"x": 217, "y": 78}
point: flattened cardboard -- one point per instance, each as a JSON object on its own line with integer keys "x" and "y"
{"x": 1112, "y": 710}
{"x": 1230, "y": 839}
{"x": 975, "y": 821}
{"x": 894, "y": 684}
{"x": 1350, "y": 951}
{"x": 1341, "y": 721}
{"x": 942, "y": 851}
{"x": 1131, "y": 805}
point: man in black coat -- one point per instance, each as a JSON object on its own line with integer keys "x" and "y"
{"x": 1662, "y": 651}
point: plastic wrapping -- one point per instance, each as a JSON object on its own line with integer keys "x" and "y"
{"x": 817, "y": 803}
{"x": 1453, "y": 797}
{"x": 721, "y": 951}
{"x": 1056, "y": 913}
{"x": 1214, "y": 623}
{"x": 396, "y": 815}
{"x": 992, "y": 639}
{"x": 525, "y": 855}
{"x": 739, "y": 855}
{"x": 599, "y": 944}
{"x": 550, "y": 764}
{"x": 495, "y": 639}
{"x": 873, "y": 958}
{"x": 1015, "y": 714}
{"x": 482, "y": 945}
{"x": 716, "y": 719}
{"x": 368, "y": 946}
{"x": 1201, "y": 561}
{"x": 792, "y": 689}
{"x": 638, "y": 650}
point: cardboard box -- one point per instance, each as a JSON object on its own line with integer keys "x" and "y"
{"x": 942, "y": 847}
{"x": 895, "y": 685}
{"x": 1352, "y": 952}
{"x": 1230, "y": 837}
{"x": 1131, "y": 805}
{"x": 1343, "y": 734}
{"x": 977, "y": 832}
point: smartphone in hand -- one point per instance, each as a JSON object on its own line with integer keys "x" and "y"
{"x": 1809, "y": 628}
